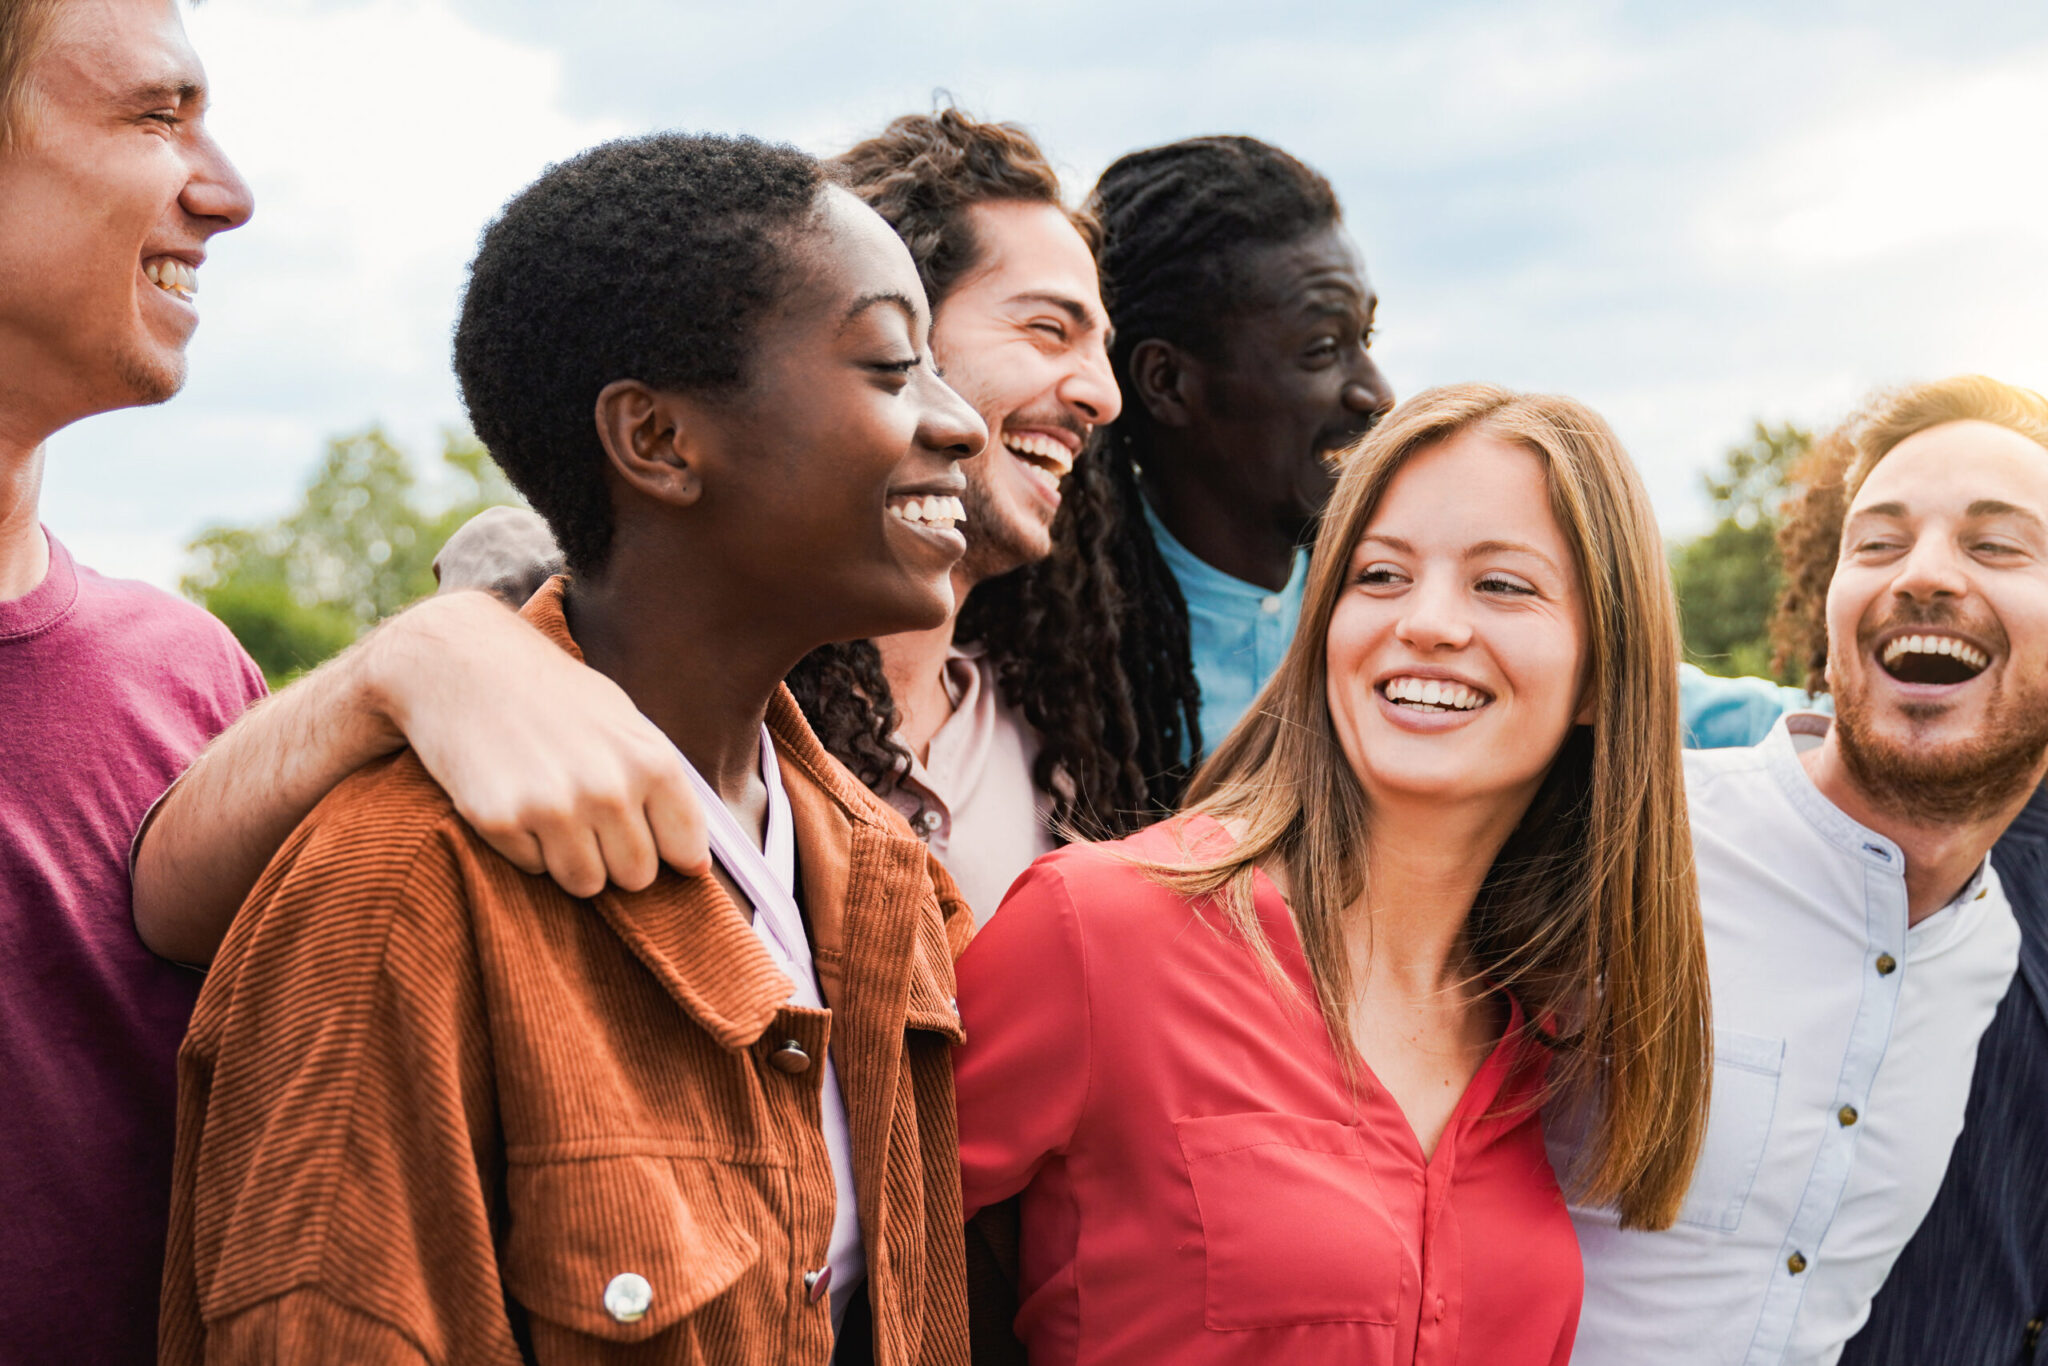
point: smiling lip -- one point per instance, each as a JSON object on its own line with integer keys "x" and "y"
{"x": 1429, "y": 698}
{"x": 1047, "y": 455}
{"x": 1926, "y": 646}
{"x": 173, "y": 273}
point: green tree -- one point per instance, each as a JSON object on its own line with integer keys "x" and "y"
{"x": 1728, "y": 579}
{"x": 360, "y": 546}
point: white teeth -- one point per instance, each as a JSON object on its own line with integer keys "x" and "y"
{"x": 1433, "y": 693}
{"x": 935, "y": 511}
{"x": 1936, "y": 645}
{"x": 1035, "y": 447}
{"x": 172, "y": 277}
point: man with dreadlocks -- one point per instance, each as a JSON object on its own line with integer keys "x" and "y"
{"x": 1243, "y": 323}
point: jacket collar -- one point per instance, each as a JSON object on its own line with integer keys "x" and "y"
{"x": 684, "y": 929}
{"x": 864, "y": 883}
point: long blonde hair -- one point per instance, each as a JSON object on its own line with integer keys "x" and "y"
{"x": 1590, "y": 914}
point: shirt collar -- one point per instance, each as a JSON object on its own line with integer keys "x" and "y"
{"x": 1197, "y": 577}
{"x": 1781, "y": 756}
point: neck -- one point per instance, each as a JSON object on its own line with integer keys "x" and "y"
{"x": 1424, "y": 867}
{"x": 24, "y": 553}
{"x": 701, "y": 662}
{"x": 914, "y": 662}
{"x": 1940, "y": 858}
{"x": 1221, "y": 532}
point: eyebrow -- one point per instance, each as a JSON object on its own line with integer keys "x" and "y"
{"x": 1982, "y": 507}
{"x": 1471, "y": 551}
{"x": 885, "y": 296}
{"x": 1083, "y": 316}
{"x": 1998, "y": 507}
{"x": 176, "y": 92}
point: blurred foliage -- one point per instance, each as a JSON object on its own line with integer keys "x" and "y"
{"x": 360, "y": 546}
{"x": 1728, "y": 579}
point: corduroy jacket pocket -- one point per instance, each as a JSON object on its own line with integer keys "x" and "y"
{"x": 622, "y": 1248}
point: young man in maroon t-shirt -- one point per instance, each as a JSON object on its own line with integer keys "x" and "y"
{"x": 110, "y": 190}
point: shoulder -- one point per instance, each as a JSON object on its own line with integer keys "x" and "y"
{"x": 1107, "y": 894}
{"x": 386, "y": 837}
{"x": 146, "y": 630}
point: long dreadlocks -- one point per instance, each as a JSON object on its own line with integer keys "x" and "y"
{"x": 1176, "y": 222}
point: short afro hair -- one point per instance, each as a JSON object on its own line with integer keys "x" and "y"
{"x": 651, "y": 258}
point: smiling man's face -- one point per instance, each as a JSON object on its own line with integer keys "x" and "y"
{"x": 1025, "y": 340}
{"x": 1938, "y": 623}
{"x": 106, "y": 206}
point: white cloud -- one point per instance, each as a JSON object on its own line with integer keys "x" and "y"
{"x": 379, "y": 138}
{"x": 1689, "y": 216}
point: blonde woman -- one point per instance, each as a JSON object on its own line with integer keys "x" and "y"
{"x": 1267, "y": 1076}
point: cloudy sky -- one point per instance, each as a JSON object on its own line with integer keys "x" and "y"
{"x": 1691, "y": 216}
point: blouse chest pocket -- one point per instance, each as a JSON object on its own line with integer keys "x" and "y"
{"x": 1746, "y": 1072}
{"x": 1294, "y": 1227}
{"x": 622, "y": 1248}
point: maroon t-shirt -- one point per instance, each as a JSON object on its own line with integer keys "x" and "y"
{"x": 107, "y": 691}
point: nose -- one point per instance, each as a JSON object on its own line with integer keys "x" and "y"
{"x": 216, "y": 194}
{"x": 1931, "y": 570}
{"x": 1434, "y": 616}
{"x": 1367, "y": 391}
{"x": 948, "y": 423}
{"x": 1090, "y": 387}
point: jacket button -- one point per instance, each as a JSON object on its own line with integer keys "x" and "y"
{"x": 627, "y": 1297}
{"x": 790, "y": 1058}
{"x": 816, "y": 1283}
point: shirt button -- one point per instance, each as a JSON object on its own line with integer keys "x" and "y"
{"x": 1886, "y": 965}
{"x": 817, "y": 1283}
{"x": 790, "y": 1058}
{"x": 1439, "y": 1308}
{"x": 627, "y": 1297}
{"x": 1847, "y": 1114}
{"x": 1270, "y": 605}
{"x": 930, "y": 820}
{"x": 1796, "y": 1263}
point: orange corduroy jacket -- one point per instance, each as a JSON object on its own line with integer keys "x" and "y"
{"x": 433, "y": 1109}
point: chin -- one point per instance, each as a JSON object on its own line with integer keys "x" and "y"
{"x": 147, "y": 377}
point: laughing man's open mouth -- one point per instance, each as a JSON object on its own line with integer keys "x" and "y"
{"x": 1932, "y": 658}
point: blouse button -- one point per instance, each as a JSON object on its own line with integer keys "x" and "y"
{"x": 1796, "y": 1263}
{"x": 1847, "y": 1114}
{"x": 790, "y": 1058}
{"x": 1439, "y": 1308}
{"x": 1886, "y": 965}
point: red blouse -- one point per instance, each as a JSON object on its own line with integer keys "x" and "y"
{"x": 1199, "y": 1184}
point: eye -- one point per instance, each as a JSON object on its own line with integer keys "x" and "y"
{"x": 1506, "y": 585}
{"x": 1380, "y": 574}
{"x": 1050, "y": 330}
{"x": 899, "y": 367}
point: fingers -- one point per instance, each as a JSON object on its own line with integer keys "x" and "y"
{"x": 677, "y": 818}
{"x": 576, "y": 862}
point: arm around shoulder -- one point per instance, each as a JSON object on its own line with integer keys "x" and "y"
{"x": 548, "y": 760}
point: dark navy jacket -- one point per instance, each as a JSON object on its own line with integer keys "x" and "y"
{"x": 1971, "y": 1289}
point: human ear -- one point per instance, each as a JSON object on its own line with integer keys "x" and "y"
{"x": 653, "y": 440}
{"x": 1164, "y": 376}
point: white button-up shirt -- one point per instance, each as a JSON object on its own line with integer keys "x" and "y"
{"x": 1844, "y": 1044}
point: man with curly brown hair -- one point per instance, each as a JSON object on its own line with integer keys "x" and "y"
{"x": 1971, "y": 1288}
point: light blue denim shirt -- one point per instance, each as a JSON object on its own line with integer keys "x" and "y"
{"x": 1727, "y": 713}
{"x": 1237, "y": 631}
